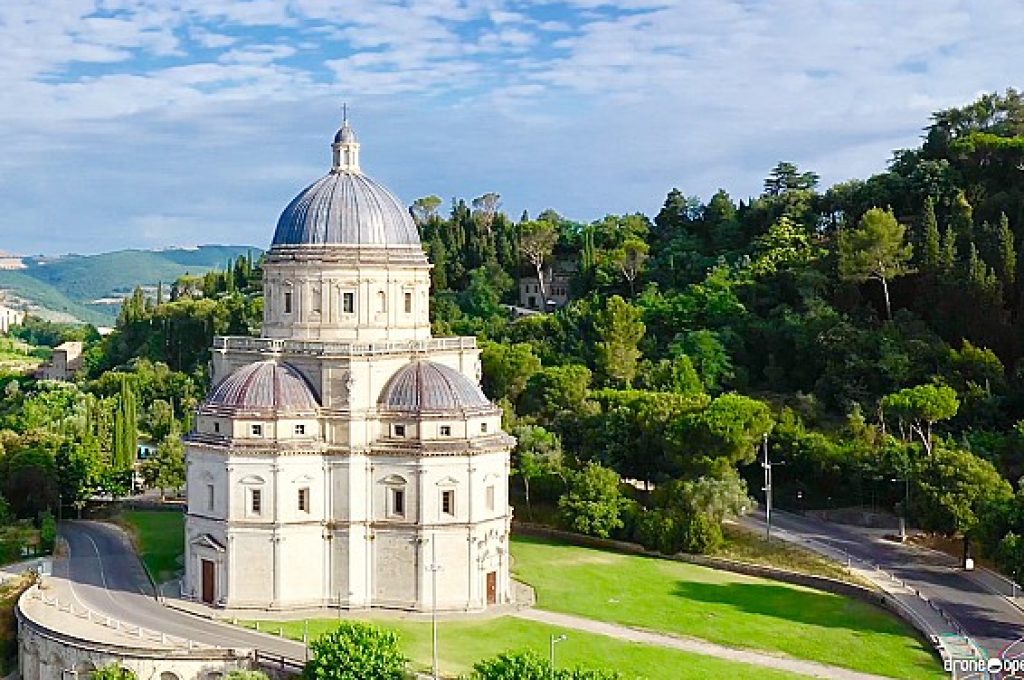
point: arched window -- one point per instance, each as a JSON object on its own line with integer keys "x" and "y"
{"x": 167, "y": 675}
{"x": 382, "y": 302}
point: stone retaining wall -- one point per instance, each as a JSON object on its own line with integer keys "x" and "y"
{"x": 46, "y": 653}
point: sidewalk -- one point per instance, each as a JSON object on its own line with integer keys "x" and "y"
{"x": 811, "y": 669}
{"x": 170, "y": 597}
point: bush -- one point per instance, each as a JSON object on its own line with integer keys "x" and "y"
{"x": 532, "y": 666}
{"x": 114, "y": 671}
{"x": 672, "y": 531}
{"x": 356, "y": 651}
{"x": 593, "y": 503}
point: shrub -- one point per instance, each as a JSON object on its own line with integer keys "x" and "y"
{"x": 532, "y": 666}
{"x": 114, "y": 671}
{"x": 47, "y": 530}
{"x": 356, "y": 651}
{"x": 593, "y": 502}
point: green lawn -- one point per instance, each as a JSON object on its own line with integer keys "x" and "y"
{"x": 722, "y": 607}
{"x": 160, "y": 539}
{"x": 462, "y": 643}
{"x": 661, "y": 595}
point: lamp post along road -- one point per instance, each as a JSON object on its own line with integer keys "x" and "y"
{"x": 767, "y": 465}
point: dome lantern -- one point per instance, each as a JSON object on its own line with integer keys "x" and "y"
{"x": 345, "y": 148}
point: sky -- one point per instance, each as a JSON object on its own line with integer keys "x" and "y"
{"x": 153, "y": 123}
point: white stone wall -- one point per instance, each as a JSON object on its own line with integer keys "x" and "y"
{"x": 45, "y": 655}
{"x": 317, "y": 304}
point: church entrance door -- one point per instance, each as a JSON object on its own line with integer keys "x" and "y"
{"x": 492, "y": 587}
{"x": 208, "y": 572}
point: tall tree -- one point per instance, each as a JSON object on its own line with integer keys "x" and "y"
{"x": 425, "y": 209}
{"x": 877, "y": 250}
{"x": 1007, "y": 256}
{"x": 536, "y": 243}
{"x": 931, "y": 255}
{"x": 619, "y": 330}
{"x": 630, "y": 259}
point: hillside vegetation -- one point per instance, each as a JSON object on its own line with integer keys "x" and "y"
{"x": 71, "y": 283}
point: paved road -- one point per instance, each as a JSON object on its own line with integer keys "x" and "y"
{"x": 106, "y": 576}
{"x": 991, "y": 621}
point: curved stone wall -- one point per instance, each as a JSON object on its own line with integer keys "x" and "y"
{"x": 60, "y": 648}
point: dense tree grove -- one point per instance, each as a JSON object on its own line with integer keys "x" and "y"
{"x": 64, "y": 443}
{"x": 872, "y": 330}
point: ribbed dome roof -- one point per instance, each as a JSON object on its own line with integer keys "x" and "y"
{"x": 427, "y": 386}
{"x": 264, "y": 386}
{"x": 346, "y": 208}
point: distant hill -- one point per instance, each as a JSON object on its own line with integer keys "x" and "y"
{"x": 71, "y": 285}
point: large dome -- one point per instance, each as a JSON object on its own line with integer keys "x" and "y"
{"x": 346, "y": 207}
{"x": 428, "y": 386}
{"x": 267, "y": 387}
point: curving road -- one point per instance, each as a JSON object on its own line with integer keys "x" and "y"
{"x": 104, "y": 574}
{"x": 990, "y": 620}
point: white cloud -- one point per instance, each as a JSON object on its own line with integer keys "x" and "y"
{"x": 588, "y": 106}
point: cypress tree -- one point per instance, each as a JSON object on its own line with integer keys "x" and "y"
{"x": 932, "y": 240}
{"x": 947, "y": 259}
{"x": 1007, "y": 260}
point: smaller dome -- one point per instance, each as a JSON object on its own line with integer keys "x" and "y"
{"x": 345, "y": 135}
{"x": 267, "y": 386}
{"x": 427, "y": 386}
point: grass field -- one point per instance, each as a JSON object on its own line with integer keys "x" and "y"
{"x": 160, "y": 539}
{"x": 462, "y": 643}
{"x": 722, "y": 607}
{"x": 660, "y": 595}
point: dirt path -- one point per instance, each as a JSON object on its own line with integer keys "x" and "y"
{"x": 811, "y": 669}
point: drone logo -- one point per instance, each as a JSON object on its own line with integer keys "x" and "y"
{"x": 1010, "y": 664}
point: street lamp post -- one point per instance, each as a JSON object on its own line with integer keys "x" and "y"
{"x": 555, "y": 639}
{"x": 433, "y": 568}
{"x": 906, "y": 504}
{"x": 767, "y": 465}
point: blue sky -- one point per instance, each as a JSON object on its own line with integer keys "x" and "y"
{"x": 147, "y": 123}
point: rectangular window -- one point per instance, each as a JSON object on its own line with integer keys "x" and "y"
{"x": 216, "y": 427}
{"x": 490, "y": 497}
{"x": 446, "y": 430}
{"x": 408, "y": 303}
{"x": 256, "y": 501}
{"x": 483, "y": 427}
{"x": 300, "y": 429}
{"x": 448, "y": 502}
{"x": 304, "y": 500}
{"x": 257, "y": 430}
{"x": 209, "y": 497}
{"x": 399, "y": 430}
{"x": 398, "y": 502}
{"x": 287, "y": 303}
{"x": 348, "y": 303}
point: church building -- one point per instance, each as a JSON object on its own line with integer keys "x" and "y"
{"x": 346, "y": 457}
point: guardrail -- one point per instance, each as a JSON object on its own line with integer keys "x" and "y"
{"x": 905, "y": 612}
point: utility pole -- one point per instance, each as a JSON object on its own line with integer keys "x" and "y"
{"x": 767, "y": 465}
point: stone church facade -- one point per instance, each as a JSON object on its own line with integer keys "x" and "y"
{"x": 346, "y": 457}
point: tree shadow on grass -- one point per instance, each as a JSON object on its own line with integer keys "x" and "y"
{"x": 801, "y": 606}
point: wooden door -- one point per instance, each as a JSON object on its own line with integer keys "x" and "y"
{"x": 208, "y": 574}
{"x": 492, "y": 587}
